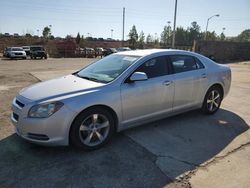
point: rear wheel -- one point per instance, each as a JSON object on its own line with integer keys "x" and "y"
{"x": 92, "y": 129}
{"x": 212, "y": 100}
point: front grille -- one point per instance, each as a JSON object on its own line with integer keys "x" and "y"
{"x": 15, "y": 116}
{"x": 19, "y": 104}
{"x": 37, "y": 136}
{"x": 18, "y": 54}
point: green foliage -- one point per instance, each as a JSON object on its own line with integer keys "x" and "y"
{"x": 149, "y": 39}
{"x": 222, "y": 36}
{"x": 244, "y": 36}
{"x": 141, "y": 40}
{"x": 166, "y": 35}
{"x": 46, "y": 32}
{"x": 211, "y": 36}
{"x": 182, "y": 36}
{"x": 194, "y": 32}
{"x": 78, "y": 38}
{"x": 133, "y": 37}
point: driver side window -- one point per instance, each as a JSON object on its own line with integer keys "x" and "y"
{"x": 154, "y": 67}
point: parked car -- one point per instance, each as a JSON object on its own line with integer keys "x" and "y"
{"x": 27, "y": 50}
{"x": 14, "y": 52}
{"x": 99, "y": 52}
{"x": 6, "y": 52}
{"x": 117, "y": 92}
{"x": 89, "y": 52}
{"x": 37, "y": 51}
{"x": 79, "y": 52}
{"x": 122, "y": 49}
{"x": 108, "y": 51}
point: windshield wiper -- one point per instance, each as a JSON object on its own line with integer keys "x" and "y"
{"x": 91, "y": 78}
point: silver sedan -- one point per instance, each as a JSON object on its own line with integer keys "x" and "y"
{"x": 122, "y": 90}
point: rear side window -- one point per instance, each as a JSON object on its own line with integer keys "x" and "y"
{"x": 199, "y": 64}
{"x": 154, "y": 67}
{"x": 183, "y": 63}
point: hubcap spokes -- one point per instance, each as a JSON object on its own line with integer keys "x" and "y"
{"x": 94, "y": 129}
{"x": 213, "y": 100}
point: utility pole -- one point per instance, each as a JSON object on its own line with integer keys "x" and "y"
{"x": 169, "y": 33}
{"x": 123, "y": 25}
{"x": 175, "y": 11}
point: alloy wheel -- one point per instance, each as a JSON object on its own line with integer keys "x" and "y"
{"x": 94, "y": 129}
{"x": 213, "y": 100}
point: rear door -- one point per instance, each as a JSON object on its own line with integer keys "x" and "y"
{"x": 189, "y": 80}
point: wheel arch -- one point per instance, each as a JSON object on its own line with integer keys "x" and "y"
{"x": 112, "y": 112}
{"x": 219, "y": 86}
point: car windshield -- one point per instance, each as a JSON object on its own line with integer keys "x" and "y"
{"x": 17, "y": 49}
{"x": 108, "y": 68}
{"x": 36, "y": 48}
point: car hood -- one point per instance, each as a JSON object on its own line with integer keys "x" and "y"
{"x": 61, "y": 86}
{"x": 17, "y": 51}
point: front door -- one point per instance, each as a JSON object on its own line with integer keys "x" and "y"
{"x": 142, "y": 100}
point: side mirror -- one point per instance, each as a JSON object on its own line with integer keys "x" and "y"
{"x": 138, "y": 76}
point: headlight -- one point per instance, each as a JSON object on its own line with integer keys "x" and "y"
{"x": 44, "y": 110}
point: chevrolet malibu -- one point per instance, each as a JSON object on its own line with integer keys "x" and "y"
{"x": 120, "y": 91}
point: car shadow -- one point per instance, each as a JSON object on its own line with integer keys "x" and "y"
{"x": 151, "y": 155}
{"x": 183, "y": 142}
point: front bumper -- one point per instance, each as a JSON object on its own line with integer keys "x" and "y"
{"x": 18, "y": 55}
{"x": 53, "y": 130}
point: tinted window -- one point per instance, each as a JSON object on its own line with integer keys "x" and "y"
{"x": 37, "y": 48}
{"x": 199, "y": 64}
{"x": 154, "y": 67}
{"x": 182, "y": 63}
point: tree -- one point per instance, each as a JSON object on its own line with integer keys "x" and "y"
{"x": 46, "y": 32}
{"x": 141, "y": 40}
{"x": 82, "y": 42}
{"x": 78, "y": 38}
{"x": 244, "y": 36}
{"x": 181, "y": 36}
{"x": 194, "y": 32}
{"x": 149, "y": 39}
{"x": 133, "y": 37}
{"x": 222, "y": 36}
{"x": 211, "y": 36}
{"x": 165, "y": 35}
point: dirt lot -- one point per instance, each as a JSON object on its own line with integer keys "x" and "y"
{"x": 188, "y": 150}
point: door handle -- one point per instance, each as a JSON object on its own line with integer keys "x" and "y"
{"x": 167, "y": 83}
{"x": 204, "y": 75}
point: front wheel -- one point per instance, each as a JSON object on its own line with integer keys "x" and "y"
{"x": 92, "y": 129}
{"x": 212, "y": 100}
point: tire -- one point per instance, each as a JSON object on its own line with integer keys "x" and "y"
{"x": 24, "y": 58}
{"x": 212, "y": 100}
{"x": 92, "y": 129}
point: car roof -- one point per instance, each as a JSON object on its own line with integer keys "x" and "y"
{"x": 16, "y": 47}
{"x": 149, "y": 52}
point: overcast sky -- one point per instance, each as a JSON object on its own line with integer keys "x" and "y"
{"x": 98, "y": 17}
